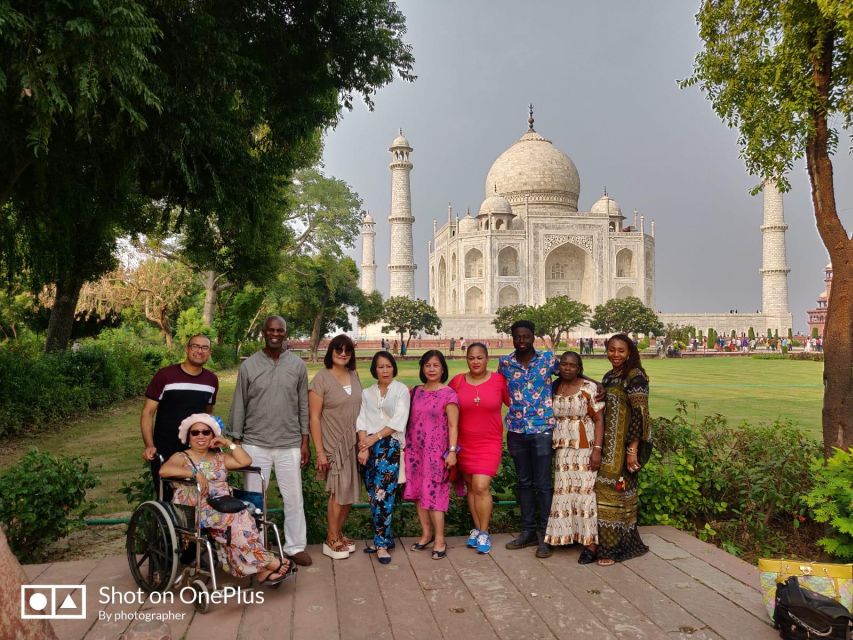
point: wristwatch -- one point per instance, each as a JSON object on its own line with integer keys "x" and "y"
{"x": 452, "y": 449}
{"x": 232, "y": 446}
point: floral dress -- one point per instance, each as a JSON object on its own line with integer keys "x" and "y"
{"x": 239, "y": 547}
{"x": 427, "y": 439}
{"x": 574, "y": 514}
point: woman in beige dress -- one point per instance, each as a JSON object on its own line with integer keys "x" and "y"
{"x": 578, "y": 439}
{"x": 334, "y": 401}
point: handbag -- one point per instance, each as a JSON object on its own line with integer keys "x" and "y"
{"x": 227, "y": 504}
{"x": 831, "y": 580}
{"x": 801, "y": 614}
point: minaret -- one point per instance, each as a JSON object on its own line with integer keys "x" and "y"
{"x": 402, "y": 264}
{"x": 368, "y": 254}
{"x": 774, "y": 267}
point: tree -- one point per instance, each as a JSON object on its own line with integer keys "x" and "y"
{"x": 779, "y": 72}
{"x": 505, "y": 316}
{"x": 751, "y": 334}
{"x": 403, "y": 315}
{"x": 203, "y": 109}
{"x": 625, "y": 315}
{"x": 558, "y": 315}
{"x": 678, "y": 333}
{"x": 371, "y": 309}
{"x": 158, "y": 288}
{"x": 316, "y": 294}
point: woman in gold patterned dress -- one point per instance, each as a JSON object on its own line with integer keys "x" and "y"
{"x": 627, "y": 447}
{"x": 578, "y": 439}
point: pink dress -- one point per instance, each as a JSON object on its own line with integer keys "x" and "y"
{"x": 480, "y": 424}
{"x": 426, "y": 441}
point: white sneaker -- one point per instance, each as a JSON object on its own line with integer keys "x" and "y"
{"x": 472, "y": 539}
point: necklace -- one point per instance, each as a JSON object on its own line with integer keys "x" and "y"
{"x": 477, "y": 387}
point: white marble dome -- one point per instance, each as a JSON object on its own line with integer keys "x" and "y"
{"x": 534, "y": 169}
{"x": 401, "y": 141}
{"x": 606, "y": 205}
{"x": 495, "y": 205}
{"x": 368, "y": 219}
{"x": 468, "y": 224}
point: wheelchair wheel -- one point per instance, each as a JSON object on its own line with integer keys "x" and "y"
{"x": 152, "y": 548}
{"x": 201, "y": 602}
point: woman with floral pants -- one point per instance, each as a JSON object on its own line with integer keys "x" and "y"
{"x": 381, "y": 430}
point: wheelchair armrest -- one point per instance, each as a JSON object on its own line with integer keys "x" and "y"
{"x": 249, "y": 468}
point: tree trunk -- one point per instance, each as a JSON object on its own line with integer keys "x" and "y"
{"x": 11, "y": 579}
{"x": 316, "y": 335}
{"x": 62, "y": 315}
{"x": 165, "y": 328}
{"x": 838, "y": 332}
{"x": 210, "y": 293}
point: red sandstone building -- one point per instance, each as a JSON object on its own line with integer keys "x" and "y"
{"x": 817, "y": 317}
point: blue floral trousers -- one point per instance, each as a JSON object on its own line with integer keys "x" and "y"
{"x": 380, "y": 479}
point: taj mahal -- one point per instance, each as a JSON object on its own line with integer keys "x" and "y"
{"x": 529, "y": 242}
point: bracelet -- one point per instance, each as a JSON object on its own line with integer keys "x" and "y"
{"x": 630, "y": 451}
{"x": 597, "y": 446}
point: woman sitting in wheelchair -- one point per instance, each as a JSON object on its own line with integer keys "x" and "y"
{"x": 236, "y": 533}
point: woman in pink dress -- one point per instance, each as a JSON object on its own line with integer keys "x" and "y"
{"x": 481, "y": 394}
{"x": 431, "y": 438}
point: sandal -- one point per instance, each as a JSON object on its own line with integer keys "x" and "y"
{"x": 369, "y": 548}
{"x": 386, "y": 559}
{"x": 606, "y": 562}
{"x": 349, "y": 542}
{"x": 336, "y": 549}
{"x": 420, "y": 547}
{"x": 438, "y": 555}
{"x": 269, "y": 581}
{"x": 587, "y": 556}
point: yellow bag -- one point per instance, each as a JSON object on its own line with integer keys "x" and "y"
{"x": 832, "y": 580}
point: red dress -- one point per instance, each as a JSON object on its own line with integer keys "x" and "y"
{"x": 480, "y": 424}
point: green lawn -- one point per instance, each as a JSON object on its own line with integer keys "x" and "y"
{"x": 738, "y": 388}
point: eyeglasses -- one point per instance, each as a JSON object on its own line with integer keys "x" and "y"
{"x": 342, "y": 349}
{"x": 200, "y": 432}
{"x": 200, "y": 347}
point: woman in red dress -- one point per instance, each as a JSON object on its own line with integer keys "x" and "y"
{"x": 481, "y": 393}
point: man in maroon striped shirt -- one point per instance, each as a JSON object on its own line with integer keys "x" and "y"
{"x": 175, "y": 392}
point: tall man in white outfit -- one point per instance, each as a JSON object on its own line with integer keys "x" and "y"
{"x": 269, "y": 416}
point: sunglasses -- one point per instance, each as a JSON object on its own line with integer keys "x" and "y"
{"x": 200, "y": 432}
{"x": 342, "y": 349}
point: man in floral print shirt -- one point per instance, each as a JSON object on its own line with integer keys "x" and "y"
{"x": 529, "y": 423}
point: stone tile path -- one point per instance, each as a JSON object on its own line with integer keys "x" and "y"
{"x": 684, "y": 589}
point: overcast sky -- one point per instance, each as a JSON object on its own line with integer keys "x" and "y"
{"x": 602, "y": 78}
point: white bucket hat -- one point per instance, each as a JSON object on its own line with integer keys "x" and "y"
{"x": 203, "y": 418}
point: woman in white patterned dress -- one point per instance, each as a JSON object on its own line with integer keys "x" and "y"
{"x": 578, "y": 439}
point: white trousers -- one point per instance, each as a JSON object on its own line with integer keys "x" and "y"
{"x": 288, "y": 474}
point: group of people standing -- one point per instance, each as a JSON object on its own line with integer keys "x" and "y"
{"x": 443, "y": 435}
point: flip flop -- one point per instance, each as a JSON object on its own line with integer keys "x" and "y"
{"x": 605, "y": 562}
{"x": 420, "y": 547}
{"x": 438, "y": 555}
{"x": 269, "y": 581}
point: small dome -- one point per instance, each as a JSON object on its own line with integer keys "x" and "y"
{"x": 401, "y": 141}
{"x": 467, "y": 224}
{"x": 606, "y": 205}
{"x": 368, "y": 219}
{"x": 828, "y": 267}
{"x": 822, "y": 296}
{"x": 495, "y": 205}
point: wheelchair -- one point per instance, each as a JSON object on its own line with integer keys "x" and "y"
{"x": 167, "y": 547}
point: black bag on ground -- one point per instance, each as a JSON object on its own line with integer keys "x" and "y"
{"x": 805, "y": 615}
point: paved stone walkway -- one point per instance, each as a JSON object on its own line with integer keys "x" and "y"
{"x": 683, "y": 589}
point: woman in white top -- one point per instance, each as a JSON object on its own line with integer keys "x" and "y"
{"x": 381, "y": 428}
